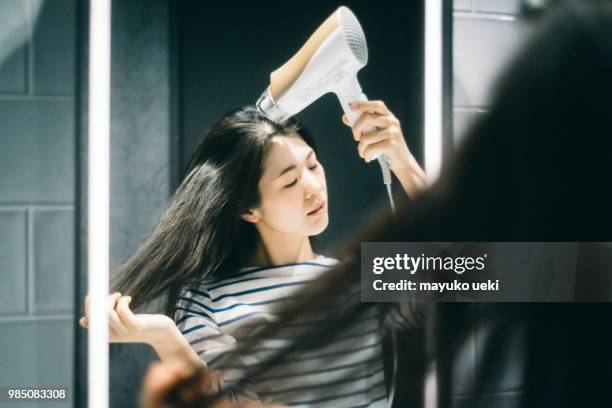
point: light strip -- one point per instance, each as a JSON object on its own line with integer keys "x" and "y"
{"x": 430, "y": 396}
{"x": 433, "y": 88}
{"x": 98, "y": 202}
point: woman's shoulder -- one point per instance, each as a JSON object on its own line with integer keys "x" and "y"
{"x": 195, "y": 289}
{"x": 200, "y": 288}
{"x": 326, "y": 260}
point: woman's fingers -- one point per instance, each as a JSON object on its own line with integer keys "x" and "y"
{"x": 371, "y": 106}
{"x": 125, "y": 313}
{"x": 117, "y": 326}
{"x": 374, "y": 114}
{"x": 113, "y": 319}
{"x": 86, "y": 307}
{"x": 84, "y": 321}
{"x": 374, "y": 150}
{"x": 371, "y": 138}
{"x": 370, "y": 120}
{"x": 345, "y": 120}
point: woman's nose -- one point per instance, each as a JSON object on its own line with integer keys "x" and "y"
{"x": 313, "y": 186}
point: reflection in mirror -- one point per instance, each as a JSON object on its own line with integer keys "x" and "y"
{"x": 177, "y": 70}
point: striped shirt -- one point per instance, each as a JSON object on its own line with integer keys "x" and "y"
{"x": 216, "y": 314}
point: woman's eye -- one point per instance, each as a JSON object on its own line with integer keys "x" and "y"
{"x": 314, "y": 166}
{"x": 293, "y": 183}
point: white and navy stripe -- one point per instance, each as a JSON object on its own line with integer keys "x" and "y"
{"x": 216, "y": 314}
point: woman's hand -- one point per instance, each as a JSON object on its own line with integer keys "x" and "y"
{"x": 378, "y": 132}
{"x": 173, "y": 385}
{"x": 157, "y": 330}
{"x": 127, "y": 327}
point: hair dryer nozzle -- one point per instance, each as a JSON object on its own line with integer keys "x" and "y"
{"x": 267, "y": 106}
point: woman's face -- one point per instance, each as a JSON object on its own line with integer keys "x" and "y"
{"x": 293, "y": 189}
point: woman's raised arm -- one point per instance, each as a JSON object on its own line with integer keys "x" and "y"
{"x": 388, "y": 139}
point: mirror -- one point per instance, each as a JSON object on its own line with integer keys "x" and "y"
{"x": 179, "y": 66}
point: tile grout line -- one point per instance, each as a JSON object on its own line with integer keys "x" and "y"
{"x": 21, "y": 207}
{"x": 29, "y": 50}
{"x": 26, "y": 213}
{"x": 30, "y": 263}
{"x": 37, "y": 318}
{"x": 36, "y": 98}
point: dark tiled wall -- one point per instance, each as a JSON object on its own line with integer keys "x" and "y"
{"x": 37, "y": 196}
{"x": 140, "y": 155}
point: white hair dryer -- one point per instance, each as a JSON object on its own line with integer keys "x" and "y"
{"x": 327, "y": 62}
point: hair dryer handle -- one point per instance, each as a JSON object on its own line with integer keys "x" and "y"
{"x": 353, "y": 117}
{"x": 351, "y": 114}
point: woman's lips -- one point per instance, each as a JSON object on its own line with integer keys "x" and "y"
{"x": 318, "y": 210}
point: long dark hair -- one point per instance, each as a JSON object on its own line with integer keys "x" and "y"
{"x": 535, "y": 168}
{"x": 201, "y": 233}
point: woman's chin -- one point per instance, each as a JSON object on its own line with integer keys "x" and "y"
{"x": 320, "y": 225}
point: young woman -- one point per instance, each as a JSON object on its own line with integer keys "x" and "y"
{"x": 235, "y": 243}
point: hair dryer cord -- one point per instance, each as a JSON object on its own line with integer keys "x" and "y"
{"x": 386, "y": 174}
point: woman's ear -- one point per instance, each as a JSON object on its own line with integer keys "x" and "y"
{"x": 251, "y": 216}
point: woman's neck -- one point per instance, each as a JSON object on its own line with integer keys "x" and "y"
{"x": 277, "y": 249}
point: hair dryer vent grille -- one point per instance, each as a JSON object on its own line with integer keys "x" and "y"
{"x": 354, "y": 35}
